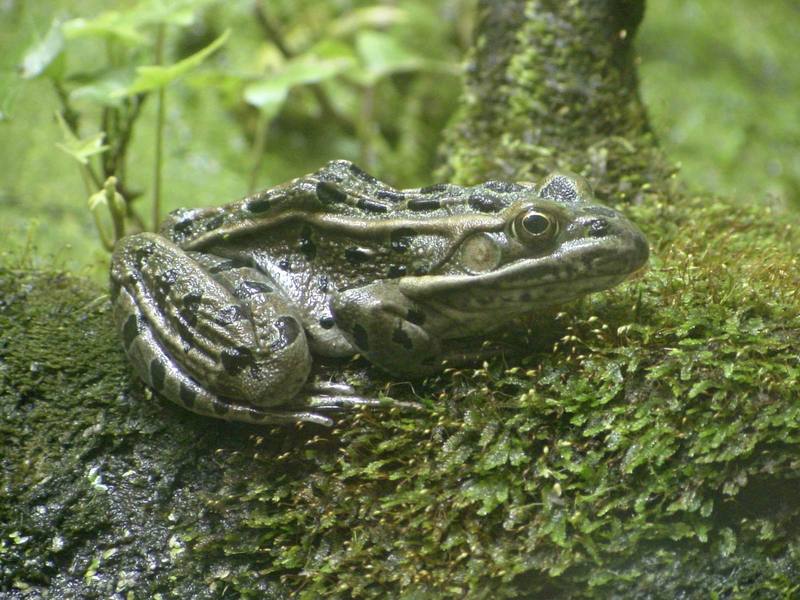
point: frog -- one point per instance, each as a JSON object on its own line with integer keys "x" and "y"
{"x": 226, "y": 310}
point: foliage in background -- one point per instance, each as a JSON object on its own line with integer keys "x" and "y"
{"x": 334, "y": 72}
{"x": 296, "y": 84}
{"x": 720, "y": 100}
{"x": 720, "y": 80}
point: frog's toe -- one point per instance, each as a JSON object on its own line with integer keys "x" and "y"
{"x": 329, "y": 402}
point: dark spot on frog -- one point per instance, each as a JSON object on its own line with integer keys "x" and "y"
{"x": 598, "y": 228}
{"x": 130, "y": 330}
{"x": 284, "y": 264}
{"x": 183, "y": 227}
{"x": 361, "y": 174}
{"x": 329, "y": 193}
{"x": 157, "y": 374}
{"x": 525, "y": 297}
{"x": 191, "y": 304}
{"x": 187, "y": 395}
{"x": 307, "y": 246}
{"x": 420, "y": 270}
{"x": 228, "y": 315}
{"x": 187, "y": 334}
{"x": 435, "y": 188}
{"x": 259, "y": 204}
{"x": 323, "y": 282}
{"x": 214, "y": 222}
{"x": 247, "y": 289}
{"x": 503, "y": 187}
{"x": 357, "y": 256}
{"x": 396, "y": 271}
{"x": 400, "y": 240}
{"x": 483, "y": 203}
{"x": 327, "y": 322}
{"x": 560, "y": 188}
{"x": 288, "y": 330}
{"x": 417, "y": 317}
{"x": 236, "y": 360}
{"x": 372, "y": 206}
{"x": 360, "y": 337}
{"x": 390, "y": 195}
{"x": 144, "y": 252}
{"x": 423, "y": 204}
{"x": 226, "y": 265}
{"x": 402, "y": 338}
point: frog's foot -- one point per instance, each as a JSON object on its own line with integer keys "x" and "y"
{"x": 163, "y": 375}
{"x": 334, "y": 396}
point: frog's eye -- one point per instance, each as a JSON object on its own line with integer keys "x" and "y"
{"x": 534, "y": 226}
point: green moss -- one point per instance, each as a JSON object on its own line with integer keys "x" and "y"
{"x": 668, "y": 408}
{"x": 640, "y": 443}
{"x": 718, "y": 77}
{"x": 642, "y": 439}
{"x": 100, "y": 485}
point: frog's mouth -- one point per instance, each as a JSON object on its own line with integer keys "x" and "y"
{"x": 576, "y": 268}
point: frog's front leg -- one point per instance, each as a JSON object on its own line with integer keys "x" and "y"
{"x": 212, "y": 335}
{"x": 389, "y": 329}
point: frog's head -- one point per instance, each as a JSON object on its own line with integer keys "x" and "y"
{"x": 547, "y": 244}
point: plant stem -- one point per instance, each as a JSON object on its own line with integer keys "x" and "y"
{"x": 159, "y": 133}
{"x": 259, "y": 143}
{"x": 273, "y": 33}
{"x": 70, "y": 117}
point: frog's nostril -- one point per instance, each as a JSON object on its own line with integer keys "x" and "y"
{"x": 598, "y": 227}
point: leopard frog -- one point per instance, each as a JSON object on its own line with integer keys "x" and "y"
{"x": 225, "y": 309}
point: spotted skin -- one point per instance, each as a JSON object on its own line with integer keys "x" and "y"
{"x": 224, "y": 311}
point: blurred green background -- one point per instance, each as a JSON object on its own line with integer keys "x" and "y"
{"x": 372, "y": 82}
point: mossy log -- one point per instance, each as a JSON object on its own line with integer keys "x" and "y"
{"x": 642, "y": 443}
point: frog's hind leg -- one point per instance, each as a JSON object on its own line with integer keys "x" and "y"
{"x": 154, "y": 366}
{"x": 200, "y": 344}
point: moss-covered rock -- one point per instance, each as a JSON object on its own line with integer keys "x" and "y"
{"x": 654, "y": 446}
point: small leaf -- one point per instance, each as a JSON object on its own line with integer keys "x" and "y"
{"x": 268, "y": 99}
{"x": 43, "y": 54}
{"x": 701, "y": 387}
{"x": 382, "y": 55}
{"x": 103, "y": 90}
{"x": 107, "y": 25}
{"x": 176, "y": 12}
{"x": 126, "y": 25}
{"x": 105, "y": 203}
{"x": 273, "y": 89}
{"x": 496, "y": 454}
{"x": 362, "y": 18}
{"x": 80, "y": 148}
{"x": 154, "y": 77}
{"x": 490, "y": 492}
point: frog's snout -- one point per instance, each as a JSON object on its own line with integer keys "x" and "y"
{"x": 641, "y": 248}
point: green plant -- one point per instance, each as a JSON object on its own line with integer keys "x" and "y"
{"x": 354, "y": 70}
